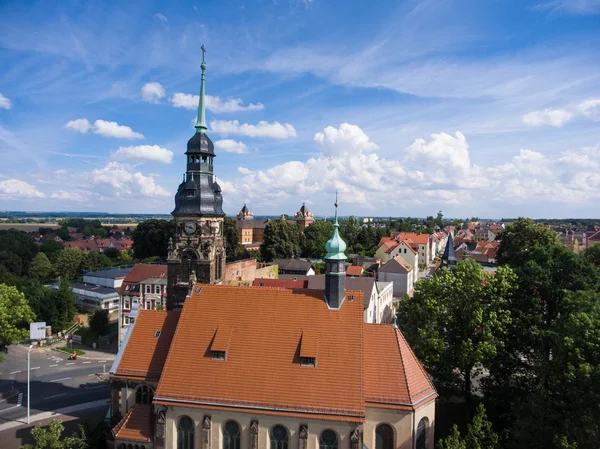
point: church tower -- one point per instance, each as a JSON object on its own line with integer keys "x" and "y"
{"x": 197, "y": 249}
{"x": 335, "y": 266}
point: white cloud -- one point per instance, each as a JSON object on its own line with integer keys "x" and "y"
{"x": 104, "y": 128}
{"x": 118, "y": 180}
{"x": 345, "y": 138}
{"x": 5, "y": 103}
{"x": 152, "y": 153}
{"x": 161, "y": 17}
{"x": 215, "y": 104}
{"x": 264, "y": 129}
{"x": 590, "y": 109}
{"x": 153, "y": 92}
{"x": 231, "y": 146}
{"x": 573, "y": 6}
{"x": 551, "y": 117}
{"x": 15, "y": 189}
{"x": 65, "y": 195}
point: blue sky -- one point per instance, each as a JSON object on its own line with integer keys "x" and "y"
{"x": 483, "y": 107}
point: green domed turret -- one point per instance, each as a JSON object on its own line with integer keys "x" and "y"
{"x": 335, "y": 246}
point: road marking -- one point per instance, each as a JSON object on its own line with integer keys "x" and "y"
{"x": 89, "y": 375}
{"x": 15, "y": 372}
{"x": 19, "y": 399}
{"x": 86, "y": 362}
{"x": 55, "y": 396}
{"x": 101, "y": 361}
{"x": 91, "y": 388}
{"x": 72, "y": 363}
{"x": 52, "y": 366}
{"x": 37, "y": 367}
{"x": 60, "y": 380}
{"x": 9, "y": 408}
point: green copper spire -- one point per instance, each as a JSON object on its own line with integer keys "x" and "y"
{"x": 201, "y": 121}
{"x": 336, "y": 246}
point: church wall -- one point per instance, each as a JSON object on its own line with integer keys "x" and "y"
{"x": 241, "y": 270}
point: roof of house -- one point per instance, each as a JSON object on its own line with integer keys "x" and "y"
{"x": 393, "y": 375}
{"x": 114, "y": 273}
{"x": 144, "y": 355}
{"x": 140, "y": 272}
{"x": 354, "y": 270}
{"x": 280, "y": 283}
{"x": 420, "y": 239}
{"x": 136, "y": 425}
{"x": 293, "y": 264}
{"x": 396, "y": 265}
{"x": 262, "y": 370}
{"x": 365, "y": 285}
{"x": 449, "y": 254}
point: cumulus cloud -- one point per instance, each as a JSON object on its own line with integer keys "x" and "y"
{"x": 590, "y": 109}
{"x": 551, "y": 117}
{"x": 120, "y": 181}
{"x": 65, "y": 195}
{"x": 231, "y": 146}
{"x": 151, "y": 153}
{"x": 104, "y": 128}
{"x": 15, "y": 189}
{"x": 5, "y": 103}
{"x": 215, "y": 104}
{"x": 345, "y": 138}
{"x": 153, "y": 92}
{"x": 263, "y": 129}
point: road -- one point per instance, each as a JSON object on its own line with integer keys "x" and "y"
{"x": 56, "y": 382}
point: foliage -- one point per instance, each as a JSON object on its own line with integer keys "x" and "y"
{"x": 68, "y": 264}
{"x": 316, "y": 235}
{"x": 112, "y": 253}
{"x": 17, "y": 250}
{"x": 15, "y": 316}
{"x": 99, "y": 320}
{"x": 518, "y": 238}
{"x": 41, "y": 268}
{"x": 68, "y": 350}
{"x": 51, "y": 437}
{"x": 349, "y": 230}
{"x": 88, "y": 336}
{"x": 230, "y": 232}
{"x": 52, "y": 249}
{"x": 80, "y": 223}
{"x": 151, "y": 238}
{"x": 456, "y": 321}
{"x": 125, "y": 257}
{"x": 592, "y": 255}
{"x": 55, "y": 307}
{"x": 159, "y": 307}
{"x": 480, "y": 434}
{"x": 282, "y": 240}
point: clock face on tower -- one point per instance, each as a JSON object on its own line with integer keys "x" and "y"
{"x": 190, "y": 227}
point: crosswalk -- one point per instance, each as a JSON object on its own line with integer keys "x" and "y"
{"x": 20, "y": 400}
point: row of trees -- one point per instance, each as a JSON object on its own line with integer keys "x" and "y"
{"x": 525, "y": 340}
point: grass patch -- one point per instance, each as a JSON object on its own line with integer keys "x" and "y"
{"x": 88, "y": 336}
{"x": 68, "y": 350}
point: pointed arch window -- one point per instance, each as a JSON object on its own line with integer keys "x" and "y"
{"x": 185, "y": 433}
{"x": 279, "y": 438}
{"x": 384, "y": 437}
{"x": 231, "y": 435}
{"x": 328, "y": 440}
{"x": 422, "y": 433}
{"x": 144, "y": 395}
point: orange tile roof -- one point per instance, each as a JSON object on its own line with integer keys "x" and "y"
{"x": 309, "y": 345}
{"x": 221, "y": 339}
{"x": 393, "y": 375}
{"x": 280, "y": 283}
{"x": 421, "y": 239}
{"x": 262, "y": 370}
{"x": 137, "y": 424}
{"x": 144, "y": 355}
{"x": 354, "y": 270}
{"x": 140, "y": 272}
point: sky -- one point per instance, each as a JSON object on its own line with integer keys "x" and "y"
{"x": 487, "y": 108}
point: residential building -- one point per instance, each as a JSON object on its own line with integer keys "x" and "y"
{"x": 591, "y": 236}
{"x": 111, "y": 277}
{"x": 398, "y": 271}
{"x": 295, "y": 267}
{"x": 481, "y": 251}
{"x": 354, "y": 271}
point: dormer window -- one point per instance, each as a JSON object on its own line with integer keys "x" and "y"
{"x": 218, "y": 355}
{"x": 309, "y": 348}
{"x": 189, "y": 192}
{"x": 308, "y": 361}
{"x": 220, "y": 343}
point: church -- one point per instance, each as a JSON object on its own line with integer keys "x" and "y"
{"x": 229, "y": 367}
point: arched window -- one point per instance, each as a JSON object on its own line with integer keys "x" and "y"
{"x": 231, "y": 435}
{"x": 185, "y": 433}
{"x": 422, "y": 433}
{"x": 144, "y": 395}
{"x": 384, "y": 437}
{"x": 328, "y": 440}
{"x": 188, "y": 265}
{"x": 279, "y": 438}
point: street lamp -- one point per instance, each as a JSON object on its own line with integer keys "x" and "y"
{"x": 28, "y": 379}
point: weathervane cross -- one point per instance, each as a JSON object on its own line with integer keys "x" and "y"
{"x": 203, "y": 51}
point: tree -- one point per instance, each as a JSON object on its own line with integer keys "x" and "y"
{"x": 282, "y": 240}
{"x": 41, "y": 268}
{"x": 151, "y": 238}
{"x": 93, "y": 261}
{"x": 518, "y": 238}
{"x": 20, "y": 244}
{"x": 52, "y": 249}
{"x": 15, "y": 316}
{"x": 52, "y": 438}
{"x": 349, "y": 230}
{"x": 480, "y": 434}
{"x": 592, "y": 255}
{"x": 125, "y": 257}
{"x": 456, "y": 322}
{"x": 112, "y": 253}
{"x": 316, "y": 235}
{"x": 230, "y": 232}
{"x": 68, "y": 263}
{"x": 99, "y": 320}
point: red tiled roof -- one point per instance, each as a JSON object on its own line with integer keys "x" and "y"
{"x": 354, "y": 270}
{"x": 393, "y": 375}
{"x": 262, "y": 369}
{"x": 144, "y": 355}
{"x": 136, "y": 425}
{"x": 382, "y": 240}
{"x": 140, "y": 272}
{"x": 421, "y": 239}
{"x": 280, "y": 283}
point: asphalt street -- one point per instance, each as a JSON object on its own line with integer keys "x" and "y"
{"x": 56, "y": 382}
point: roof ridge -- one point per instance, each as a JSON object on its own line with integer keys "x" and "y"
{"x": 121, "y": 423}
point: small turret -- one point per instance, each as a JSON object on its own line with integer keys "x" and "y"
{"x": 335, "y": 266}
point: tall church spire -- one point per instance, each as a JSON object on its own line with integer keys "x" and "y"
{"x": 335, "y": 266}
{"x": 201, "y": 121}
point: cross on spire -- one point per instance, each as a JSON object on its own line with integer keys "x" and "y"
{"x": 203, "y": 51}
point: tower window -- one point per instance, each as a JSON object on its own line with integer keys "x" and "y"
{"x": 189, "y": 192}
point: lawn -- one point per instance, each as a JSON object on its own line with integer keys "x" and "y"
{"x": 68, "y": 350}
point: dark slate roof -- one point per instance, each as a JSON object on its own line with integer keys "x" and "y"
{"x": 109, "y": 274}
{"x": 206, "y": 198}
{"x": 200, "y": 143}
{"x": 94, "y": 288}
{"x": 293, "y": 264}
{"x": 449, "y": 255}
{"x": 363, "y": 284}
{"x": 394, "y": 266}
{"x": 252, "y": 224}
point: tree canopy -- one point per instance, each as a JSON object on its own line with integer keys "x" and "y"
{"x": 282, "y": 240}
{"x": 41, "y": 269}
{"x": 151, "y": 238}
{"x": 230, "y": 232}
{"x": 15, "y": 316}
{"x": 316, "y": 235}
{"x": 519, "y": 237}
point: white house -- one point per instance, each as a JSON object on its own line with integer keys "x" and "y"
{"x": 400, "y": 273}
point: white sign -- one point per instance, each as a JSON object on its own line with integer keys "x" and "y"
{"x": 75, "y": 339}
{"x": 37, "y": 330}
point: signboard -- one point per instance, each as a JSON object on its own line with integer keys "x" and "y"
{"x": 37, "y": 331}
{"x": 76, "y": 339}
